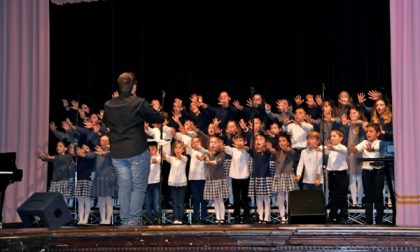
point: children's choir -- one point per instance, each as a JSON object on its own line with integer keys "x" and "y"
{"x": 246, "y": 153}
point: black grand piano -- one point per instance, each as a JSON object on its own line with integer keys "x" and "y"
{"x": 9, "y": 173}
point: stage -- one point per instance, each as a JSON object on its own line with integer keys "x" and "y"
{"x": 241, "y": 237}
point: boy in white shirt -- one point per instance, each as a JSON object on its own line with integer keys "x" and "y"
{"x": 239, "y": 172}
{"x": 152, "y": 202}
{"x": 372, "y": 173}
{"x": 311, "y": 160}
{"x": 338, "y": 180}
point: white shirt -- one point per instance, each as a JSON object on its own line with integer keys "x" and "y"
{"x": 177, "y": 176}
{"x": 361, "y": 147}
{"x": 155, "y": 134}
{"x": 239, "y": 166}
{"x": 197, "y": 167}
{"x": 312, "y": 161}
{"x": 298, "y": 133}
{"x": 337, "y": 158}
{"x": 154, "y": 174}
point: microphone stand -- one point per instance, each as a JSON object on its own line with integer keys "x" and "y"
{"x": 324, "y": 165}
{"x": 161, "y": 154}
{"x": 256, "y": 216}
{"x": 76, "y": 160}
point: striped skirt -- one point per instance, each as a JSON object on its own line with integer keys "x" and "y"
{"x": 216, "y": 189}
{"x": 83, "y": 188}
{"x": 65, "y": 187}
{"x": 262, "y": 186}
{"x": 283, "y": 183}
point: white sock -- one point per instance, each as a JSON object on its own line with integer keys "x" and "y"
{"x": 280, "y": 201}
{"x": 102, "y": 209}
{"x": 267, "y": 208}
{"x": 109, "y": 209}
{"x": 260, "y": 207}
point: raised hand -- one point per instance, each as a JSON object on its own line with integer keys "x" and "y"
{"x": 74, "y": 104}
{"x": 242, "y": 124}
{"x": 53, "y": 127}
{"x": 286, "y": 119}
{"x": 101, "y": 114}
{"x": 374, "y": 95}
{"x": 310, "y": 100}
{"x": 134, "y": 89}
{"x": 369, "y": 147}
{"x": 318, "y": 100}
{"x": 115, "y": 94}
{"x": 65, "y": 103}
{"x": 249, "y": 102}
{"x": 299, "y": 100}
{"x": 237, "y": 105}
{"x": 361, "y": 97}
{"x": 216, "y": 122}
{"x": 88, "y": 124}
{"x": 329, "y": 145}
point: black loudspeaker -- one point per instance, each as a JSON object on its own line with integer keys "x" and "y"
{"x": 47, "y": 209}
{"x": 306, "y": 207}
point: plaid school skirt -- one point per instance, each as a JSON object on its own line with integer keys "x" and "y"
{"x": 83, "y": 188}
{"x": 65, "y": 187}
{"x": 261, "y": 185}
{"x": 283, "y": 183}
{"x": 216, "y": 189}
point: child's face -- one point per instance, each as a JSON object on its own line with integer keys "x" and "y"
{"x": 300, "y": 115}
{"x": 211, "y": 130}
{"x": 104, "y": 143}
{"x": 274, "y": 129}
{"x": 214, "y": 144}
{"x": 354, "y": 115}
{"x": 335, "y": 138}
{"x": 239, "y": 142}
{"x": 257, "y": 99}
{"x": 372, "y": 134}
{"x": 188, "y": 125}
{"x": 155, "y": 104}
{"x": 85, "y": 108}
{"x": 176, "y": 108}
{"x": 260, "y": 143}
{"x": 312, "y": 142}
{"x": 283, "y": 143}
{"x": 194, "y": 109}
{"x": 380, "y": 107}
{"x": 94, "y": 118}
{"x": 178, "y": 149}
{"x": 327, "y": 107}
{"x": 257, "y": 124}
{"x": 195, "y": 143}
{"x": 153, "y": 150}
{"x": 224, "y": 99}
{"x": 344, "y": 98}
{"x": 61, "y": 148}
{"x": 231, "y": 128}
{"x": 283, "y": 105}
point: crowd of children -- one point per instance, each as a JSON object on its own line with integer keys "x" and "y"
{"x": 245, "y": 153}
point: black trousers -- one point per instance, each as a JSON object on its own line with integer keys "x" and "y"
{"x": 240, "y": 197}
{"x": 338, "y": 186}
{"x": 373, "y": 186}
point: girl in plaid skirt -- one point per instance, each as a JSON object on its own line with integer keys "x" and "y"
{"x": 216, "y": 187}
{"x": 83, "y": 190}
{"x": 261, "y": 181}
{"x": 62, "y": 165}
{"x": 283, "y": 183}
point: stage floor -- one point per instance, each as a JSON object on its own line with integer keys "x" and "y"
{"x": 242, "y": 237}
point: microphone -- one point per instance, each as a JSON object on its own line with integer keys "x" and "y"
{"x": 252, "y": 89}
{"x": 163, "y": 93}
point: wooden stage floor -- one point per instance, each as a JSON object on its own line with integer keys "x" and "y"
{"x": 243, "y": 237}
